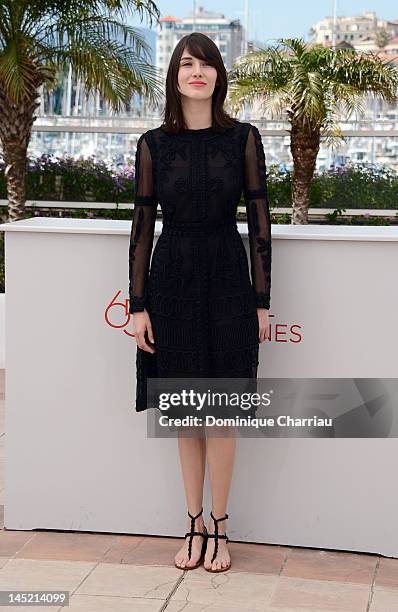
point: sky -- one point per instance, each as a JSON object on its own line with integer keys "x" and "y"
{"x": 287, "y": 18}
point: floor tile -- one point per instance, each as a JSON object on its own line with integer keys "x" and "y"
{"x": 152, "y": 551}
{"x": 12, "y": 541}
{"x": 182, "y": 606}
{"x": 141, "y": 550}
{"x": 384, "y": 600}
{"x": 67, "y": 546}
{"x": 330, "y": 565}
{"x": 299, "y": 595}
{"x": 258, "y": 558}
{"x": 25, "y": 574}
{"x": 387, "y": 573}
{"x": 93, "y": 603}
{"x": 123, "y": 580}
{"x": 23, "y": 608}
{"x": 226, "y": 588}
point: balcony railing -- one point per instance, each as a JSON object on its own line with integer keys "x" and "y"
{"x": 113, "y": 139}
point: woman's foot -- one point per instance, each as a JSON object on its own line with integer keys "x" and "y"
{"x": 222, "y": 559}
{"x": 182, "y": 557}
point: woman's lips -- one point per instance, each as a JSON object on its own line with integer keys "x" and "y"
{"x": 198, "y": 84}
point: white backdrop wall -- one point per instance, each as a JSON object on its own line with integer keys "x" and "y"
{"x": 77, "y": 454}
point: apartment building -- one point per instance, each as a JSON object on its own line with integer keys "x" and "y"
{"x": 354, "y": 29}
{"x": 226, "y": 33}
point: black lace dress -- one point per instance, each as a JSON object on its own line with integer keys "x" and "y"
{"x": 196, "y": 288}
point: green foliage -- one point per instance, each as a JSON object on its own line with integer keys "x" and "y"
{"x": 41, "y": 39}
{"x": 311, "y": 85}
{"x": 79, "y": 180}
{"x": 75, "y": 180}
{"x": 359, "y": 186}
{"x": 353, "y": 186}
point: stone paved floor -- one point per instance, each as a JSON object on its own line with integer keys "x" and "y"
{"x": 112, "y": 573}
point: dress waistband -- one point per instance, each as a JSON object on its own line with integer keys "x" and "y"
{"x": 199, "y": 226}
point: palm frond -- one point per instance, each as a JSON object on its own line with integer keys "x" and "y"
{"x": 331, "y": 132}
{"x": 348, "y": 99}
{"x": 111, "y": 68}
{"x": 296, "y": 45}
{"x": 367, "y": 72}
{"x": 16, "y": 70}
{"x": 38, "y": 39}
{"x": 278, "y": 104}
{"x": 258, "y": 75}
{"x": 307, "y": 92}
{"x": 314, "y": 83}
{"x": 90, "y": 28}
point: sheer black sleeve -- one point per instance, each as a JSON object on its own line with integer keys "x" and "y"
{"x": 142, "y": 227}
{"x": 258, "y": 218}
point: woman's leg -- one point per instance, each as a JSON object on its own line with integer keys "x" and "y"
{"x": 221, "y": 445}
{"x": 192, "y": 451}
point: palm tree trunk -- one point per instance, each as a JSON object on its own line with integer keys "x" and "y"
{"x": 304, "y": 146}
{"x": 15, "y": 131}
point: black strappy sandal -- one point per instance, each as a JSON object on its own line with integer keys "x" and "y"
{"x": 193, "y": 533}
{"x": 216, "y": 537}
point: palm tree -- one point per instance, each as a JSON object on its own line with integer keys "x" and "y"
{"x": 313, "y": 86}
{"x": 40, "y": 40}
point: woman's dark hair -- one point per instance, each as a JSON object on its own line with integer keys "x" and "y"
{"x": 201, "y": 46}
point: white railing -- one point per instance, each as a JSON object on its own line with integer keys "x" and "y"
{"x": 127, "y": 125}
{"x": 113, "y": 139}
{"x": 313, "y": 213}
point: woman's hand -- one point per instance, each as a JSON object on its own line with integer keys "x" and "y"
{"x": 141, "y": 324}
{"x": 263, "y": 323}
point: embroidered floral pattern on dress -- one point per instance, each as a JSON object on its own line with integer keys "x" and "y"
{"x": 143, "y": 225}
{"x": 196, "y": 286}
{"x": 258, "y": 218}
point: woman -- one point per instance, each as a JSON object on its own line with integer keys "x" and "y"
{"x": 197, "y": 313}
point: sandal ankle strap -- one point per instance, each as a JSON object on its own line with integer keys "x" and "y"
{"x": 216, "y": 535}
{"x": 219, "y": 519}
{"x": 195, "y": 517}
{"x": 192, "y": 532}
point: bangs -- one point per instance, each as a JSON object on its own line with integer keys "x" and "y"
{"x": 195, "y": 49}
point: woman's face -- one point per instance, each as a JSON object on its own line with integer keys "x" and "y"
{"x": 193, "y": 70}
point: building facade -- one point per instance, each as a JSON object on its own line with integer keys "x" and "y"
{"x": 226, "y": 33}
{"x": 354, "y": 30}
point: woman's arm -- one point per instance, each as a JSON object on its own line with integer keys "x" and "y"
{"x": 258, "y": 218}
{"x": 142, "y": 228}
